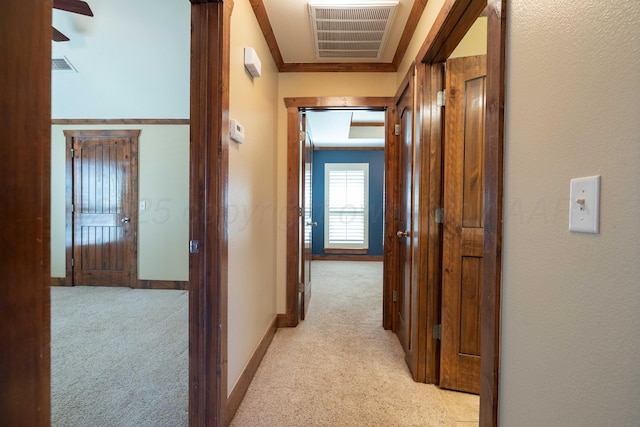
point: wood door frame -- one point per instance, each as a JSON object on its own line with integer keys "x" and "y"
{"x": 293, "y": 105}
{"x": 25, "y": 176}
{"x": 450, "y": 26}
{"x": 208, "y": 202}
{"x": 70, "y": 134}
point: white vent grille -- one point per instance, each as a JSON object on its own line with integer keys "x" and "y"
{"x": 62, "y": 64}
{"x": 351, "y": 30}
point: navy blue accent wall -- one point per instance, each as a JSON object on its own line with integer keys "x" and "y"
{"x": 375, "y": 158}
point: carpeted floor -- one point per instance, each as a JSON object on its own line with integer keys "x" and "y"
{"x": 341, "y": 368}
{"x": 119, "y": 357}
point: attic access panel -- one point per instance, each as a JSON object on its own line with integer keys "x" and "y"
{"x": 351, "y": 30}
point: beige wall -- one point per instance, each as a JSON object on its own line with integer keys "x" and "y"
{"x": 474, "y": 42}
{"x": 252, "y": 194}
{"x": 570, "y": 340}
{"x": 163, "y": 183}
{"x": 313, "y": 85}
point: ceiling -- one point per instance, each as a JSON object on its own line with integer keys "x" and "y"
{"x": 287, "y": 26}
{"x": 346, "y": 128}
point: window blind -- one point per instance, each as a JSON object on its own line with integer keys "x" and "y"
{"x": 346, "y": 205}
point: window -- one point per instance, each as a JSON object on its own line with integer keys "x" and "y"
{"x": 346, "y": 206}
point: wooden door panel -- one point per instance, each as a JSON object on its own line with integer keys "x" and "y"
{"x": 463, "y": 224}
{"x": 470, "y": 300}
{"x": 306, "y": 221}
{"x": 405, "y": 108}
{"x": 473, "y": 173}
{"x": 104, "y": 199}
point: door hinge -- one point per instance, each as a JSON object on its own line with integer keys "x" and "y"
{"x": 299, "y": 211}
{"x": 300, "y": 287}
{"x": 439, "y": 215}
{"x": 397, "y": 129}
{"x": 437, "y": 332}
{"x": 194, "y": 246}
{"x": 395, "y": 296}
{"x": 302, "y": 136}
{"x": 441, "y": 98}
{"x": 73, "y": 208}
{"x": 72, "y": 152}
{"x": 72, "y": 262}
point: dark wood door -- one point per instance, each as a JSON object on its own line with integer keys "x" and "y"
{"x": 306, "y": 217}
{"x": 104, "y": 207}
{"x": 405, "y": 111}
{"x": 463, "y": 224}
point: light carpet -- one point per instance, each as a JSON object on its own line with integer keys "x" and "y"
{"x": 119, "y": 357}
{"x": 339, "y": 367}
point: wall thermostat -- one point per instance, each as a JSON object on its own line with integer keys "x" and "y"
{"x": 237, "y": 131}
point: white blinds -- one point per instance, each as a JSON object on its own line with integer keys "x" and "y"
{"x": 346, "y": 205}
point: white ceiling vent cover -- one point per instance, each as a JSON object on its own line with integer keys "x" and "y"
{"x": 351, "y": 30}
{"x": 62, "y": 64}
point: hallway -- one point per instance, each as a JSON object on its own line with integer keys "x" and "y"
{"x": 341, "y": 368}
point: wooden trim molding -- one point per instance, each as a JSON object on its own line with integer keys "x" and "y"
{"x": 119, "y": 121}
{"x": 493, "y": 195}
{"x": 339, "y": 102}
{"x": 346, "y": 257}
{"x": 59, "y": 281}
{"x": 316, "y": 148}
{"x": 241, "y": 387}
{"x": 209, "y": 174}
{"x": 25, "y": 175}
{"x": 140, "y": 284}
{"x": 409, "y": 30}
{"x": 338, "y": 67}
{"x": 263, "y": 21}
{"x": 451, "y": 25}
{"x": 163, "y": 284}
{"x": 282, "y": 320}
{"x": 333, "y": 251}
{"x": 293, "y": 206}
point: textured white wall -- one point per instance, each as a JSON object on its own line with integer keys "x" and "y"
{"x": 570, "y": 340}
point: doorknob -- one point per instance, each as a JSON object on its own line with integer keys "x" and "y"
{"x": 125, "y": 220}
{"x": 402, "y": 234}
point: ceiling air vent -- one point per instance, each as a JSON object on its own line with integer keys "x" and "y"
{"x": 351, "y": 30}
{"x": 62, "y": 64}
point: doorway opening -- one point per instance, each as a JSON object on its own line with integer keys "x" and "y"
{"x": 300, "y": 154}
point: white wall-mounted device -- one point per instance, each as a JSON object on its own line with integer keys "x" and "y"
{"x": 252, "y": 62}
{"x": 585, "y": 204}
{"x": 236, "y": 131}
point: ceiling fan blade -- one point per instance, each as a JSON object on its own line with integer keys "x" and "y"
{"x": 75, "y": 6}
{"x": 58, "y": 36}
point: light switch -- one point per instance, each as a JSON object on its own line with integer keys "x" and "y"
{"x": 584, "y": 209}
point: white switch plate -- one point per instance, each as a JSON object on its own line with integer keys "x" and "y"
{"x": 584, "y": 208}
